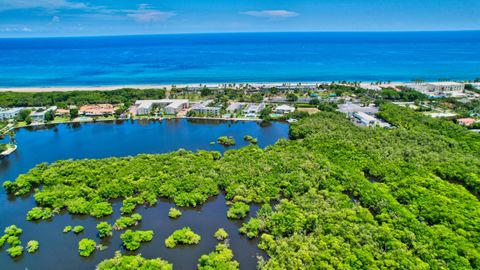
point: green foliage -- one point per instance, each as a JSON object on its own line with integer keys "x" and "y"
{"x": 120, "y": 262}
{"x": 104, "y": 229}
{"x": 15, "y": 251}
{"x": 174, "y": 213}
{"x": 346, "y": 197}
{"x": 86, "y": 247}
{"x": 32, "y": 246}
{"x": 38, "y": 99}
{"x": 12, "y": 230}
{"x": 39, "y": 213}
{"x": 226, "y": 141}
{"x": 125, "y": 222}
{"x": 238, "y": 210}
{"x": 67, "y": 229}
{"x": 23, "y": 115}
{"x": 221, "y": 258}
{"x": 133, "y": 239}
{"x": 77, "y": 229}
{"x": 221, "y": 234}
{"x": 250, "y": 139}
{"x": 183, "y": 236}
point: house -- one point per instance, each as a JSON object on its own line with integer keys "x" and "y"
{"x": 62, "y": 112}
{"x": 9, "y": 113}
{"x": 97, "y": 110}
{"x": 284, "y": 109}
{"x": 40, "y": 116}
{"x": 253, "y": 109}
{"x": 440, "y": 89}
{"x": 466, "y": 121}
{"x": 235, "y": 107}
{"x": 176, "y": 106}
{"x": 369, "y": 120}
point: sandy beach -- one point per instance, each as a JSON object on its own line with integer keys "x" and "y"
{"x": 154, "y": 86}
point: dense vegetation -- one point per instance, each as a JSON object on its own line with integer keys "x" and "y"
{"x": 33, "y": 246}
{"x": 120, "y": 262}
{"x": 221, "y": 258}
{"x": 183, "y": 236}
{"x": 226, "y": 141}
{"x": 238, "y": 210}
{"x": 125, "y": 222}
{"x": 346, "y": 197}
{"x": 62, "y": 99}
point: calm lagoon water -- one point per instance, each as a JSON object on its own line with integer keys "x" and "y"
{"x": 240, "y": 57}
{"x": 123, "y": 138}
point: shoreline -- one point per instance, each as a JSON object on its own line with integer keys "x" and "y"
{"x": 138, "y": 119}
{"x": 34, "y": 89}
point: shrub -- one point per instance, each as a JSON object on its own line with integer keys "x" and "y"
{"x": 86, "y": 247}
{"x": 120, "y": 262}
{"x": 78, "y": 229}
{"x": 39, "y": 213}
{"x": 32, "y": 246}
{"x": 221, "y": 234}
{"x": 15, "y": 251}
{"x": 124, "y": 222}
{"x": 104, "y": 229}
{"x": 221, "y": 258}
{"x": 174, "y": 213}
{"x": 133, "y": 239}
{"x": 182, "y": 236}
{"x": 67, "y": 228}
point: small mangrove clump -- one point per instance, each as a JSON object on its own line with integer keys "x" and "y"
{"x": 221, "y": 234}
{"x": 86, "y": 247}
{"x": 67, "y": 229}
{"x": 124, "y": 222}
{"x": 174, "y": 213}
{"x": 250, "y": 139}
{"x": 78, "y": 229}
{"x": 183, "y": 236}
{"x": 238, "y": 210}
{"x": 133, "y": 239}
{"x": 104, "y": 229}
{"x": 226, "y": 141}
{"x": 252, "y": 227}
{"x": 11, "y": 237}
{"x": 133, "y": 262}
{"x": 32, "y": 246}
{"x": 37, "y": 213}
{"x": 221, "y": 258}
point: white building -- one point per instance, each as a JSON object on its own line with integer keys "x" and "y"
{"x": 9, "y": 113}
{"x": 171, "y": 106}
{"x": 440, "y": 89}
{"x": 40, "y": 116}
{"x": 204, "y": 108}
{"x": 284, "y": 109}
{"x": 369, "y": 120}
{"x": 253, "y": 109}
{"x": 235, "y": 107}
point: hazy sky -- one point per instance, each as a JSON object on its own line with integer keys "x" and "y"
{"x": 116, "y": 17}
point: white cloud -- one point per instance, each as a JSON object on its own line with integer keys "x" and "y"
{"x": 144, "y": 14}
{"x": 43, "y": 4}
{"x": 14, "y": 28}
{"x": 272, "y": 14}
{"x": 55, "y": 19}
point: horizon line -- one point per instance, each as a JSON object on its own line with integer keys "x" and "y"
{"x": 244, "y": 32}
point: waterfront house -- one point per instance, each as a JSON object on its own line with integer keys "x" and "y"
{"x": 235, "y": 107}
{"x": 9, "y": 113}
{"x": 253, "y": 109}
{"x": 97, "y": 110}
{"x": 40, "y": 116}
{"x": 204, "y": 108}
{"x": 284, "y": 109}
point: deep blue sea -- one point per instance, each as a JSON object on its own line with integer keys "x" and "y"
{"x": 240, "y": 57}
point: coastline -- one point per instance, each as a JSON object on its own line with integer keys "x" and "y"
{"x": 32, "y": 89}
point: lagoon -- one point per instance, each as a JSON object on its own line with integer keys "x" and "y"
{"x": 123, "y": 138}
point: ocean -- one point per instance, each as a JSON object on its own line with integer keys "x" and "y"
{"x": 239, "y": 57}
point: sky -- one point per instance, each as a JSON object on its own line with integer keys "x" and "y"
{"x": 46, "y": 18}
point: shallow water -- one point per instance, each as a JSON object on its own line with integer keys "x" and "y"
{"x": 120, "y": 138}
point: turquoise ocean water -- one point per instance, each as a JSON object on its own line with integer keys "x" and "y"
{"x": 241, "y": 57}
